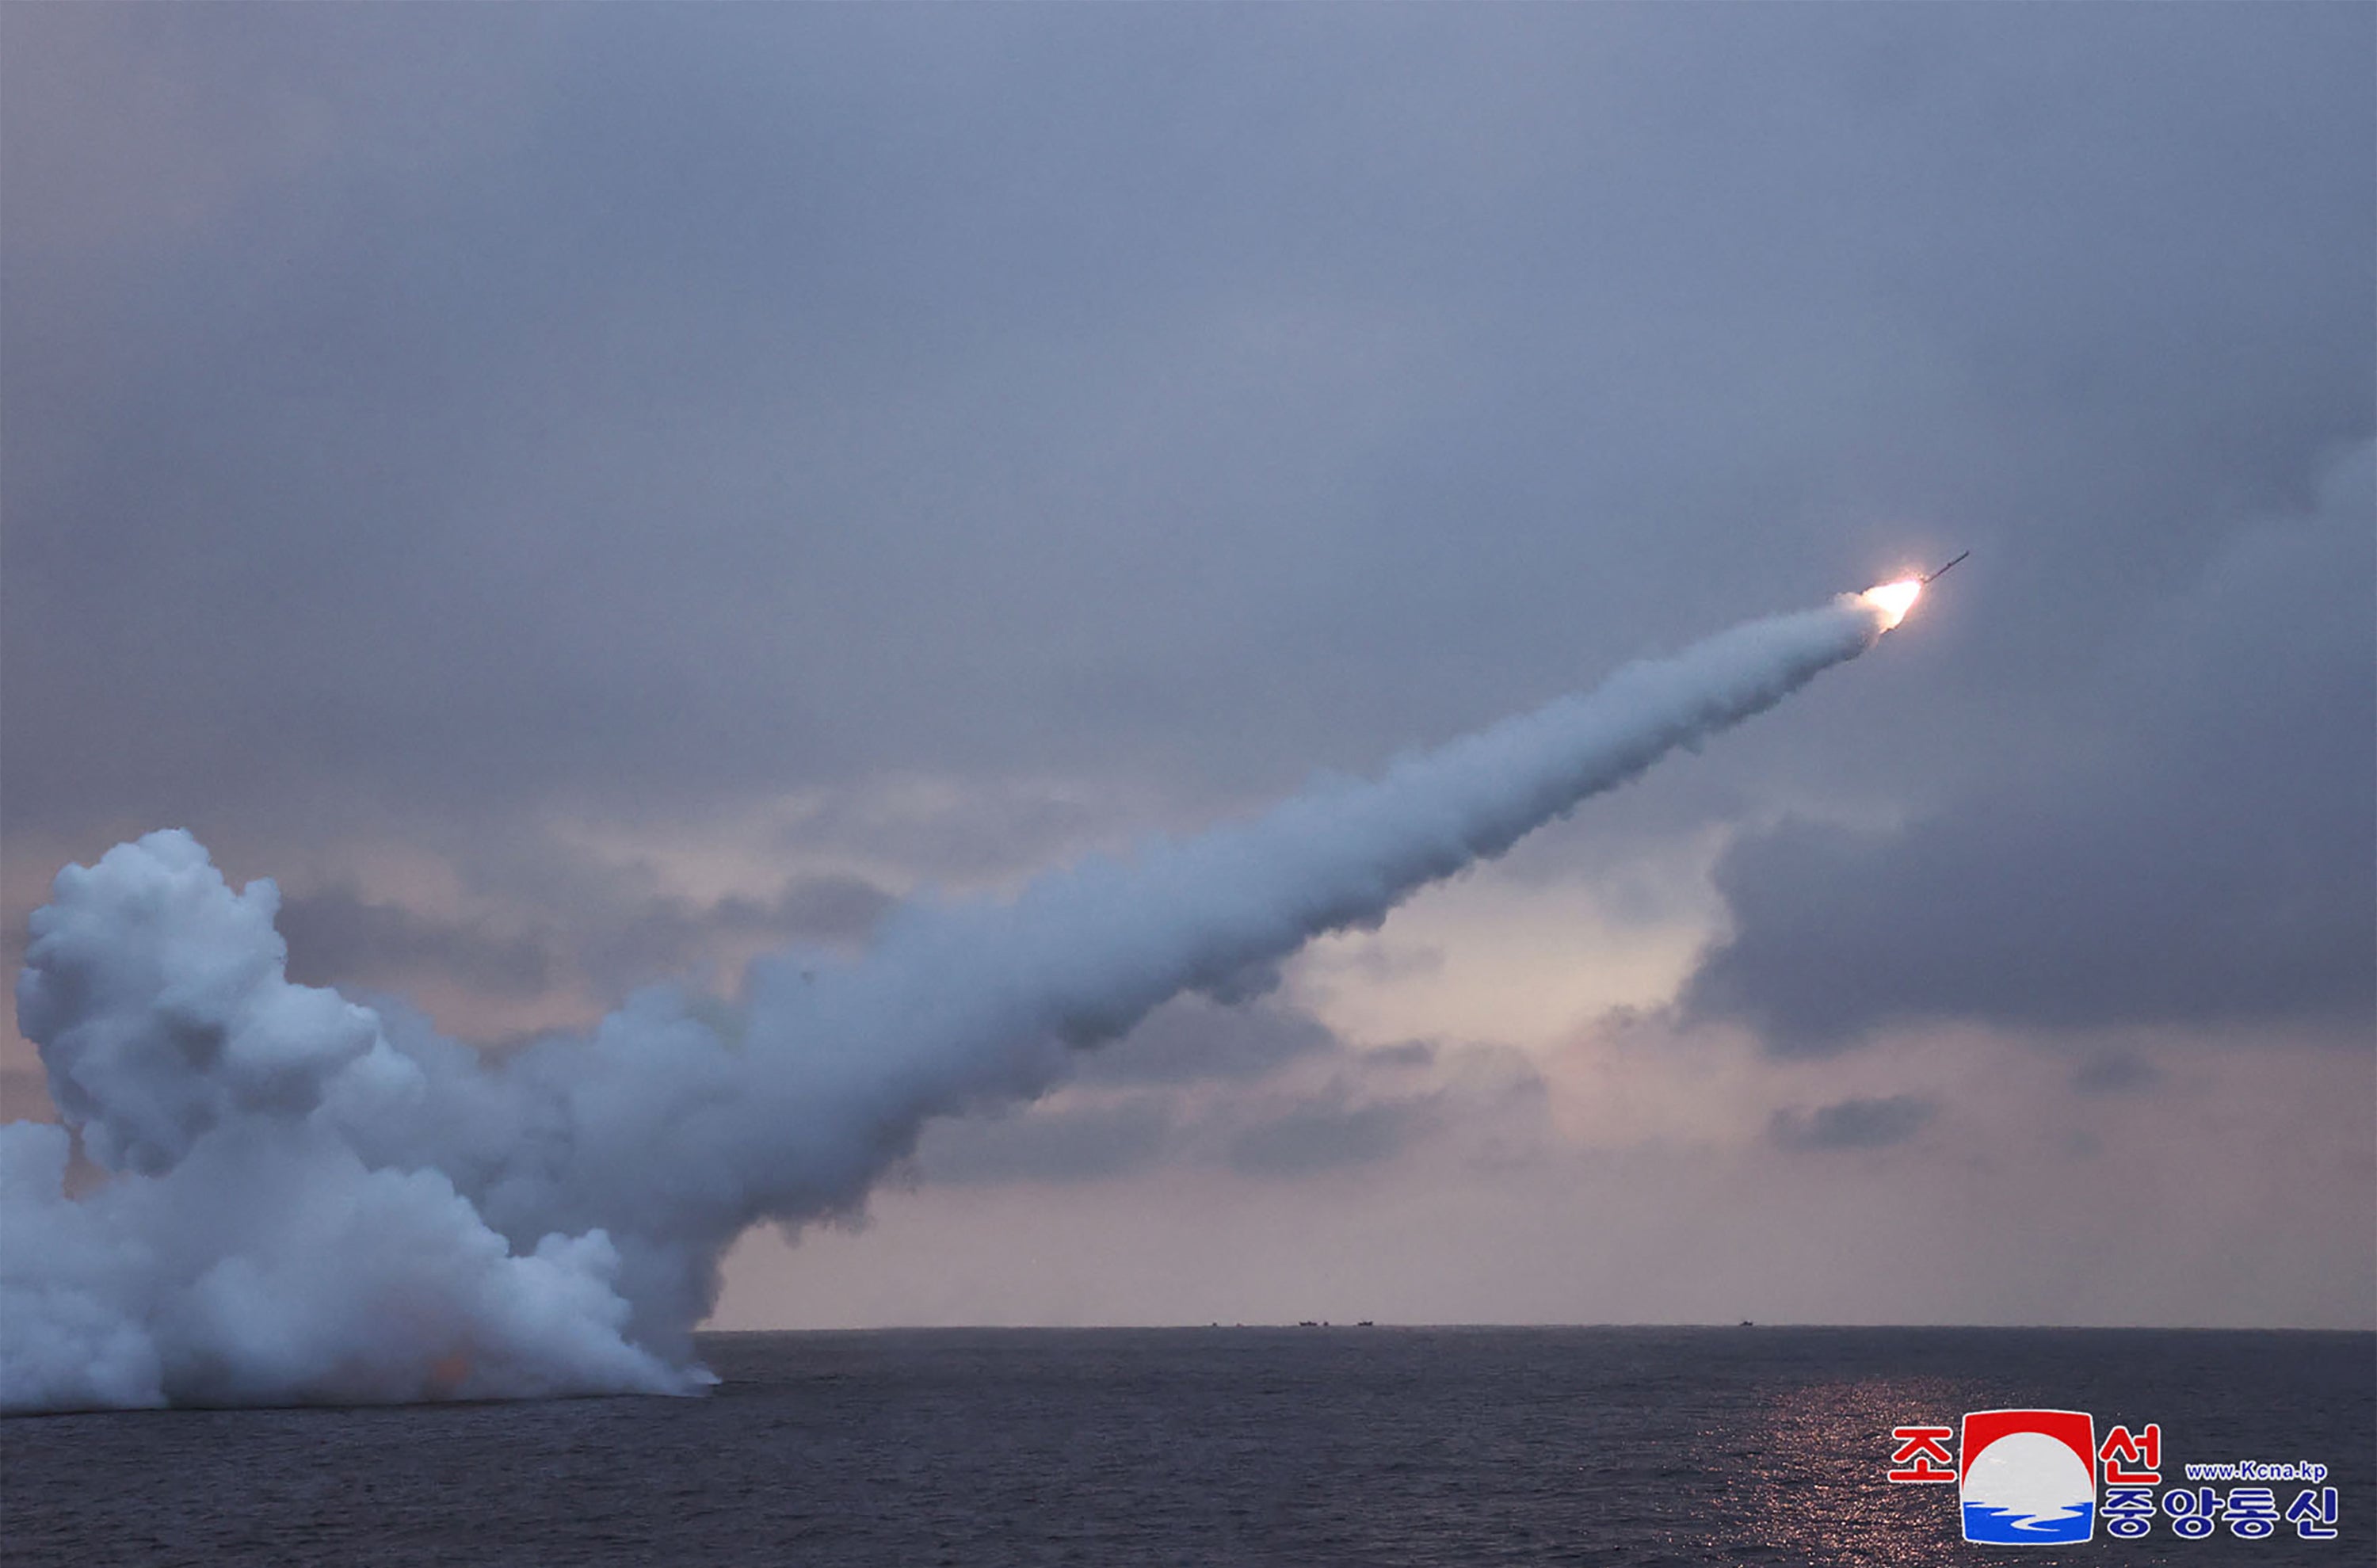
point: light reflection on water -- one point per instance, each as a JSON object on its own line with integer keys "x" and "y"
{"x": 1306, "y": 1447}
{"x": 1818, "y": 1494}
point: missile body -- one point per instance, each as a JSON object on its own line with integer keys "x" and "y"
{"x": 1926, "y": 578}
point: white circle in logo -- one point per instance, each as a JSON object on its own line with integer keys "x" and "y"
{"x": 2031, "y": 1475}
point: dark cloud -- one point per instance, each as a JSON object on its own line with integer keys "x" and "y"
{"x": 1853, "y": 1123}
{"x": 1201, "y": 1081}
{"x": 2114, "y": 1072}
{"x": 637, "y": 938}
{"x": 435, "y": 414}
{"x": 826, "y": 908}
{"x": 943, "y": 440}
{"x": 1193, "y": 1039}
{"x": 1328, "y": 1133}
{"x": 605, "y": 923}
{"x": 434, "y": 422}
{"x": 1256, "y": 1135}
{"x": 989, "y": 832}
{"x": 338, "y": 937}
{"x": 2199, "y": 845}
{"x": 1078, "y": 1144}
{"x": 621, "y": 926}
{"x": 1411, "y": 1053}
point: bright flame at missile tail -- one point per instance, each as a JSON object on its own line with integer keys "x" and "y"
{"x": 1894, "y": 599}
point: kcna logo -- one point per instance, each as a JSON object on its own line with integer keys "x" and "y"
{"x": 2024, "y": 1476}
{"x": 2028, "y": 1478}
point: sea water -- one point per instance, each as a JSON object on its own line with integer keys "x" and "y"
{"x": 1257, "y": 1445}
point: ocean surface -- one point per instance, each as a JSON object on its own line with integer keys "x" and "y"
{"x": 1255, "y": 1446}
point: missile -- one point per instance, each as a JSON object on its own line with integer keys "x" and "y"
{"x": 1926, "y": 578}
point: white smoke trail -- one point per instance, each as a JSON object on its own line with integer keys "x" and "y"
{"x": 314, "y": 1202}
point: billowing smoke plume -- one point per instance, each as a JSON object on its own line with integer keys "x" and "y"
{"x": 312, "y": 1200}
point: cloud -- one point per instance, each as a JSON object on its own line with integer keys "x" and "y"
{"x": 2201, "y": 846}
{"x": 1025, "y": 396}
{"x": 1078, "y": 1144}
{"x": 1261, "y": 1088}
{"x": 612, "y": 927}
{"x": 1853, "y": 1123}
{"x": 337, "y": 937}
{"x": 1194, "y": 1039}
{"x": 1014, "y": 430}
{"x": 638, "y": 937}
{"x": 621, "y": 923}
{"x": 2114, "y": 1072}
{"x": 821, "y": 908}
{"x": 1328, "y": 1133}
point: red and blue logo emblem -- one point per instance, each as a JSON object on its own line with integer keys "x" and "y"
{"x": 2028, "y": 1478}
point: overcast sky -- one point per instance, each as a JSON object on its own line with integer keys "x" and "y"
{"x": 583, "y": 495}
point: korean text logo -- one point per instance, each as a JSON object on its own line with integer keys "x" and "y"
{"x": 2030, "y": 1477}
